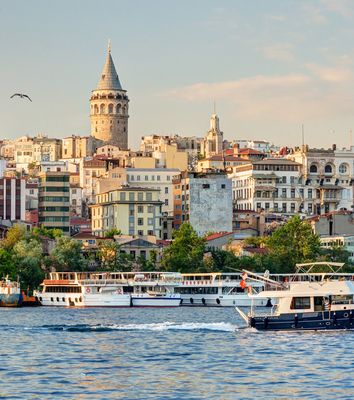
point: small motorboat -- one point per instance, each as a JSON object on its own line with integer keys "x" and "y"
{"x": 322, "y": 302}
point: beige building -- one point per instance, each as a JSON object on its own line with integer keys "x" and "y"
{"x": 109, "y": 108}
{"x": 79, "y": 146}
{"x": 54, "y": 200}
{"x": 132, "y": 210}
{"x": 90, "y": 172}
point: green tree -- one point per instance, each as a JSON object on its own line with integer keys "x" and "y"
{"x": 42, "y": 231}
{"x": 108, "y": 255}
{"x": 7, "y": 265}
{"x": 67, "y": 255}
{"x": 112, "y": 232}
{"x": 185, "y": 254}
{"x": 27, "y": 256}
{"x": 13, "y": 236}
{"x": 294, "y": 242}
{"x": 335, "y": 254}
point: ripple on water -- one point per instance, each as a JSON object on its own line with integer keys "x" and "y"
{"x": 189, "y": 353}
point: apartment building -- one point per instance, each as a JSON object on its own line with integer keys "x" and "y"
{"x": 54, "y": 200}
{"x": 132, "y": 210}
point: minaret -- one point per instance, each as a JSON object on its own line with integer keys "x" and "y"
{"x": 109, "y": 107}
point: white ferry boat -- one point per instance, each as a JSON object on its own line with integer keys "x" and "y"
{"x": 219, "y": 290}
{"x": 81, "y": 289}
{"x": 320, "y": 302}
{"x": 155, "y": 289}
{"x": 109, "y": 289}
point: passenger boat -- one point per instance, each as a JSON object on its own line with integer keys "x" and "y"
{"x": 156, "y": 289}
{"x": 109, "y": 289}
{"x": 81, "y": 289}
{"x": 10, "y": 293}
{"x": 322, "y": 302}
{"x": 218, "y": 290}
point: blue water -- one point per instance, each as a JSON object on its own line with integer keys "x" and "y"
{"x": 183, "y": 353}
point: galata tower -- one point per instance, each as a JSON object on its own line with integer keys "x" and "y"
{"x": 109, "y": 108}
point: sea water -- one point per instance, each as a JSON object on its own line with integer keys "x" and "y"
{"x": 175, "y": 353}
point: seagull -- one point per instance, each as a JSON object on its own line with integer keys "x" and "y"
{"x": 21, "y": 95}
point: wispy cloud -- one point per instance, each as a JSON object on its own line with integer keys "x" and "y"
{"x": 320, "y": 91}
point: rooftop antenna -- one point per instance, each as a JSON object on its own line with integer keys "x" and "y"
{"x": 350, "y": 139}
{"x": 214, "y": 107}
{"x": 302, "y": 135}
{"x": 109, "y": 45}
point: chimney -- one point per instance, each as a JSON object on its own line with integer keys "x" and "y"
{"x": 334, "y": 147}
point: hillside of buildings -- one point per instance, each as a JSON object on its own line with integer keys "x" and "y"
{"x": 186, "y": 203}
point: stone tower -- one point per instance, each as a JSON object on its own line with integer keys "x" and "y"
{"x": 109, "y": 108}
{"x": 213, "y": 141}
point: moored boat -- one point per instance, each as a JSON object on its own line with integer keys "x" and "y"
{"x": 156, "y": 290}
{"x": 216, "y": 289}
{"x": 10, "y": 293}
{"x": 320, "y": 304}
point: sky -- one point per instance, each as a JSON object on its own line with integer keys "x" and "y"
{"x": 269, "y": 66}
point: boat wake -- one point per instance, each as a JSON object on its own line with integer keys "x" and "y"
{"x": 162, "y": 326}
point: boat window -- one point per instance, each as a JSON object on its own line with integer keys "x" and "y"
{"x": 300, "y": 303}
{"x": 344, "y": 299}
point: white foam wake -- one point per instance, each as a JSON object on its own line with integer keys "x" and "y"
{"x": 186, "y": 326}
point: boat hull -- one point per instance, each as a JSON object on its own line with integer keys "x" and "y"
{"x": 10, "y": 300}
{"x": 238, "y": 300}
{"x": 86, "y": 300}
{"x": 146, "y": 301}
{"x": 323, "y": 320}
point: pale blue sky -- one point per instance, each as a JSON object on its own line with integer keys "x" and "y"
{"x": 270, "y": 66}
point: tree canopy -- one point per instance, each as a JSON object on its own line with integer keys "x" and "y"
{"x": 185, "y": 254}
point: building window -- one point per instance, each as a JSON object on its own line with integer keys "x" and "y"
{"x": 223, "y": 186}
{"x": 166, "y": 202}
{"x": 276, "y": 207}
{"x": 140, "y": 209}
{"x": 140, "y": 221}
{"x": 158, "y": 177}
{"x": 131, "y": 196}
{"x": 146, "y": 177}
{"x": 168, "y": 177}
{"x": 122, "y": 196}
{"x": 138, "y": 178}
{"x": 150, "y": 209}
{"x": 293, "y": 193}
{"x": 283, "y": 193}
{"x": 140, "y": 233}
{"x": 292, "y": 207}
{"x": 149, "y": 196}
{"x": 343, "y": 168}
{"x": 140, "y": 196}
{"x": 284, "y": 207}
{"x": 205, "y": 186}
{"x": 309, "y": 193}
{"x": 150, "y": 221}
{"x": 150, "y": 233}
{"x": 166, "y": 190}
{"x": 328, "y": 169}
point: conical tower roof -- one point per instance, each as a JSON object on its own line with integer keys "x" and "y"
{"x": 109, "y": 77}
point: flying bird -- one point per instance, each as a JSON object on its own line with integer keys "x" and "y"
{"x": 21, "y": 95}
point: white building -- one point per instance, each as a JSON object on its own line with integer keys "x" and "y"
{"x": 274, "y": 185}
{"x": 155, "y": 178}
{"x": 331, "y": 172}
{"x": 345, "y": 241}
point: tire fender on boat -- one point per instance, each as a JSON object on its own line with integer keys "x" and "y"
{"x": 217, "y": 301}
{"x": 203, "y": 300}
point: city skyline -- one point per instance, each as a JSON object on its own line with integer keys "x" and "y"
{"x": 269, "y": 68}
